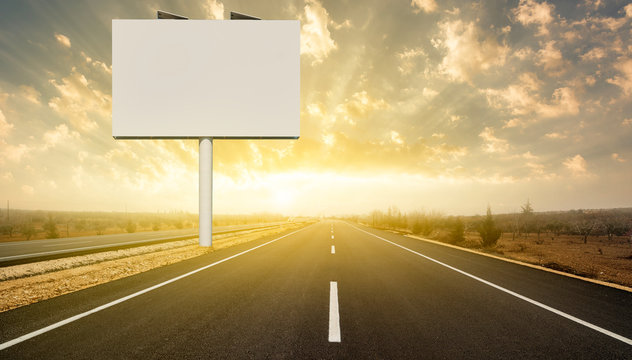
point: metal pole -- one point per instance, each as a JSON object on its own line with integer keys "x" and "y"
{"x": 206, "y": 192}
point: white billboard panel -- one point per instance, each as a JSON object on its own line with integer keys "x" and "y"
{"x": 205, "y": 78}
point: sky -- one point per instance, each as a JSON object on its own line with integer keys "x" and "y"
{"x": 424, "y": 105}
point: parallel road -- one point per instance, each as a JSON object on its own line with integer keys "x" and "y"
{"x": 329, "y": 290}
{"x": 14, "y": 252}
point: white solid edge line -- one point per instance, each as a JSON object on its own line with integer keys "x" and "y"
{"x": 333, "y": 249}
{"x": 334, "y": 315}
{"x": 522, "y": 297}
{"x": 118, "y": 301}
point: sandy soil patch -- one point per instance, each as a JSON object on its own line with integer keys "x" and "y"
{"x": 29, "y": 283}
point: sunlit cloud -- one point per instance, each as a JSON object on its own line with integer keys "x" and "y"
{"x": 423, "y": 5}
{"x": 492, "y": 144}
{"x": 576, "y": 165}
{"x": 316, "y": 39}
{"x": 214, "y": 9}
{"x": 468, "y": 50}
{"x": 531, "y": 12}
{"x": 63, "y": 39}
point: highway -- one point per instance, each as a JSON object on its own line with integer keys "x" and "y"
{"x": 14, "y": 252}
{"x": 330, "y": 290}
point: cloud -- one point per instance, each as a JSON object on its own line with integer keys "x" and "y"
{"x": 97, "y": 64}
{"x": 532, "y": 12}
{"x": 407, "y": 59}
{"x": 628, "y": 10}
{"x": 626, "y": 122}
{"x": 617, "y": 157}
{"x": 551, "y": 59}
{"x": 30, "y": 94}
{"x": 316, "y": 40}
{"x": 624, "y": 81}
{"x": 59, "y": 135}
{"x": 79, "y": 102}
{"x": 5, "y": 127}
{"x": 28, "y": 190}
{"x": 359, "y": 107}
{"x": 522, "y": 99}
{"x": 63, "y": 39}
{"x": 423, "y": 5}
{"x": 555, "y": 135}
{"x": 492, "y": 144}
{"x": 13, "y": 153}
{"x": 396, "y": 138}
{"x": 468, "y": 51}
{"x": 214, "y": 9}
{"x": 577, "y": 165}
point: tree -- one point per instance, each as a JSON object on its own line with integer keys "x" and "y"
{"x": 488, "y": 230}
{"x": 131, "y": 227}
{"x": 28, "y": 230}
{"x": 584, "y": 225}
{"x": 50, "y": 227}
{"x": 7, "y": 229}
{"x": 457, "y": 231}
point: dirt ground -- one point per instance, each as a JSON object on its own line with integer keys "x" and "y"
{"x": 600, "y": 258}
{"x": 29, "y": 283}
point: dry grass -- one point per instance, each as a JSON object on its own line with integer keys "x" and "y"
{"x": 599, "y": 258}
{"x": 29, "y": 283}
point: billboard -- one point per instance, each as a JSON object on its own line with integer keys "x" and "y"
{"x": 205, "y": 78}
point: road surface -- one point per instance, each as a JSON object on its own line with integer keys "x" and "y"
{"x": 329, "y": 290}
{"x": 14, "y": 252}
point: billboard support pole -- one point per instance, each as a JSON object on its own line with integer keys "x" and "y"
{"x": 206, "y": 192}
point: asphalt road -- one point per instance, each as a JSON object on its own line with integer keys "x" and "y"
{"x": 14, "y": 252}
{"x": 396, "y": 298}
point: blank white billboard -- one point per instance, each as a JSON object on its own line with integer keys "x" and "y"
{"x": 205, "y": 78}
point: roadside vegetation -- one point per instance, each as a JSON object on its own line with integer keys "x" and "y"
{"x": 595, "y": 243}
{"x": 19, "y": 224}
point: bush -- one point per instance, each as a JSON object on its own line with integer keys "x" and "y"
{"x": 457, "y": 231}
{"x": 488, "y": 230}
{"x": 28, "y": 230}
{"x": 50, "y": 228}
{"x": 131, "y": 227}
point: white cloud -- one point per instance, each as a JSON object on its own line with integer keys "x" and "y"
{"x": 551, "y": 58}
{"x": 626, "y": 122}
{"x": 30, "y": 94}
{"x": 5, "y": 127}
{"x": 214, "y": 9}
{"x": 7, "y": 176}
{"x": 512, "y": 123}
{"x": 468, "y": 50}
{"x": 596, "y": 53}
{"x": 407, "y": 59}
{"x": 28, "y": 190}
{"x": 359, "y": 106}
{"x": 492, "y": 144}
{"x": 617, "y": 157}
{"x": 63, "y": 39}
{"x": 624, "y": 81}
{"x": 564, "y": 102}
{"x": 423, "y": 5}
{"x": 532, "y": 12}
{"x": 316, "y": 40}
{"x": 555, "y": 135}
{"x": 429, "y": 93}
{"x": 59, "y": 135}
{"x": 396, "y": 138}
{"x": 577, "y": 165}
{"x": 628, "y": 10}
{"x": 79, "y": 100}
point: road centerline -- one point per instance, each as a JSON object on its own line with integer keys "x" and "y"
{"x": 71, "y": 319}
{"x": 334, "y": 315}
{"x": 519, "y": 296}
{"x": 333, "y": 249}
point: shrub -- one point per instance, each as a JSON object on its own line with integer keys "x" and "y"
{"x": 488, "y": 230}
{"x": 457, "y": 231}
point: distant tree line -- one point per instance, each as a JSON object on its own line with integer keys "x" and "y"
{"x": 30, "y": 224}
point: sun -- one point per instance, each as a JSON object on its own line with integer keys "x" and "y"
{"x": 283, "y": 198}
